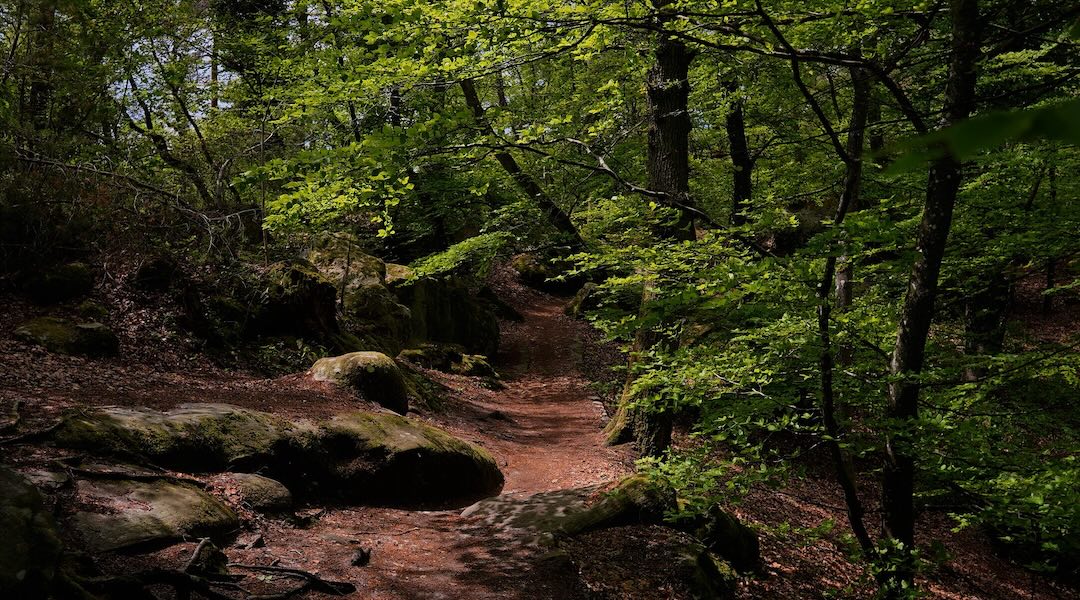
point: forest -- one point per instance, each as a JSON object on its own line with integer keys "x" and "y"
{"x": 525, "y": 299}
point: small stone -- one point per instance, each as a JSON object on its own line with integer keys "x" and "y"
{"x": 361, "y": 558}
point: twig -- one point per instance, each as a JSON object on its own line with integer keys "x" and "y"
{"x": 195, "y": 555}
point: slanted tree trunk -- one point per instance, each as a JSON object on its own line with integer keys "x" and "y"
{"x": 917, "y": 313}
{"x": 554, "y": 213}
{"x": 741, "y": 162}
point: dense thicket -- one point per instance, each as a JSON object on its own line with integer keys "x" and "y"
{"x": 790, "y": 269}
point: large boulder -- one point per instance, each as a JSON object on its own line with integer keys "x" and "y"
{"x": 373, "y": 374}
{"x": 30, "y": 552}
{"x": 383, "y": 458}
{"x": 192, "y": 437}
{"x": 61, "y": 283}
{"x": 155, "y": 274}
{"x": 342, "y": 260}
{"x": 298, "y": 300}
{"x": 444, "y": 309}
{"x": 66, "y": 337}
{"x": 388, "y": 459}
{"x": 373, "y": 312}
{"x": 132, "y": 513}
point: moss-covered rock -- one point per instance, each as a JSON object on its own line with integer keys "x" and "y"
{"x": 341, "y": 258}
{"x": 359, "y": 456}
{"x": 638, "y": 500}
{"x": 30, "y": 552}
{"x": 61, "y": 283}
{"x": 474, "y": 365}
{"x": 389, "y": 459}
{"x": 65, "y": 337}
{"x": 633, "y": 562}
{"x": 155, "y": 273}
{"x": 296, "y": 300}
{"x": 373, "y": 312}
{"x": 445, "y": 310}
{"x": 545, "y": 274}
{"x": 262, "y": 493}
{"x": 440, "y": 357}
{"x": 373, "y": 374}
{"x": 93, "y": 311}
{"x": 724, "y": 536}
{"x": 193, "y": 437}
{"x": 145, "y": 513}
{"x": 635, "y": 500}
{"x": 397, "y": 274}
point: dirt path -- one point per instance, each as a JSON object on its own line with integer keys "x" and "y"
{"x": 545, "y": 431}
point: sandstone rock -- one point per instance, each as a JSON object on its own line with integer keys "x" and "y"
{"x": 445, "y": 310}
{"x": 297, "y": 300}
{"x": 30, "y": 552}
{"x": 389, "y": 459}
{"x": 262, "y": 493}
{"x": 146, "y": 513}
{"x": 64, "y": 337}
{"x": 62, "y": 283}
{"x": 375, "y": 375}
{"x": 193, "y": 437}
{"x": 364, "y": 457}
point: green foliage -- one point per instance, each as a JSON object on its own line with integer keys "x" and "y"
{"x": 472, "y": 257}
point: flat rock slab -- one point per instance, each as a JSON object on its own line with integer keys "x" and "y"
{"x": 541, "y": 513}
{"x": 191, "y": 437}
{"x": 124, "y": 514}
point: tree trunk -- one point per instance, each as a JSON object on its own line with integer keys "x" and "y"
{"x": 741, "y": 163}
{"x": 840, "y": 281}
{"x": 898, "y": 478}
{"x": 668, "y": 165}
{"x": 668, "y": 159}
{"x": 42, "y": 37}
{"x": 555, "y": 215}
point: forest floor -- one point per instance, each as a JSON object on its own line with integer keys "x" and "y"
{"x": 544, "y": 429}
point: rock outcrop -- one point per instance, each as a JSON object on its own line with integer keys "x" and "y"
{"x": 262, "y": 493}
{"x": 66, "y": 337}
{"x": 445, "y": 310}
{"x": 61, "y": 283}
{"x": 359, "y": 456}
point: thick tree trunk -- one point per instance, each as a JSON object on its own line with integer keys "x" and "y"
{"x": 668, "y": 165}
{"x": 741, "y": 162}
{"x": 42, "y": 41}
{"x": 555, "y": 215}
{"x": 668, "y": 160}
{"x": 898, "y": 479}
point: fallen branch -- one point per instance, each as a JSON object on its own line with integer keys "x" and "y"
{"x": 316, "y": 583}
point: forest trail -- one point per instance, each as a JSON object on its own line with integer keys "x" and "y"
{"x": 544, "y": 429}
